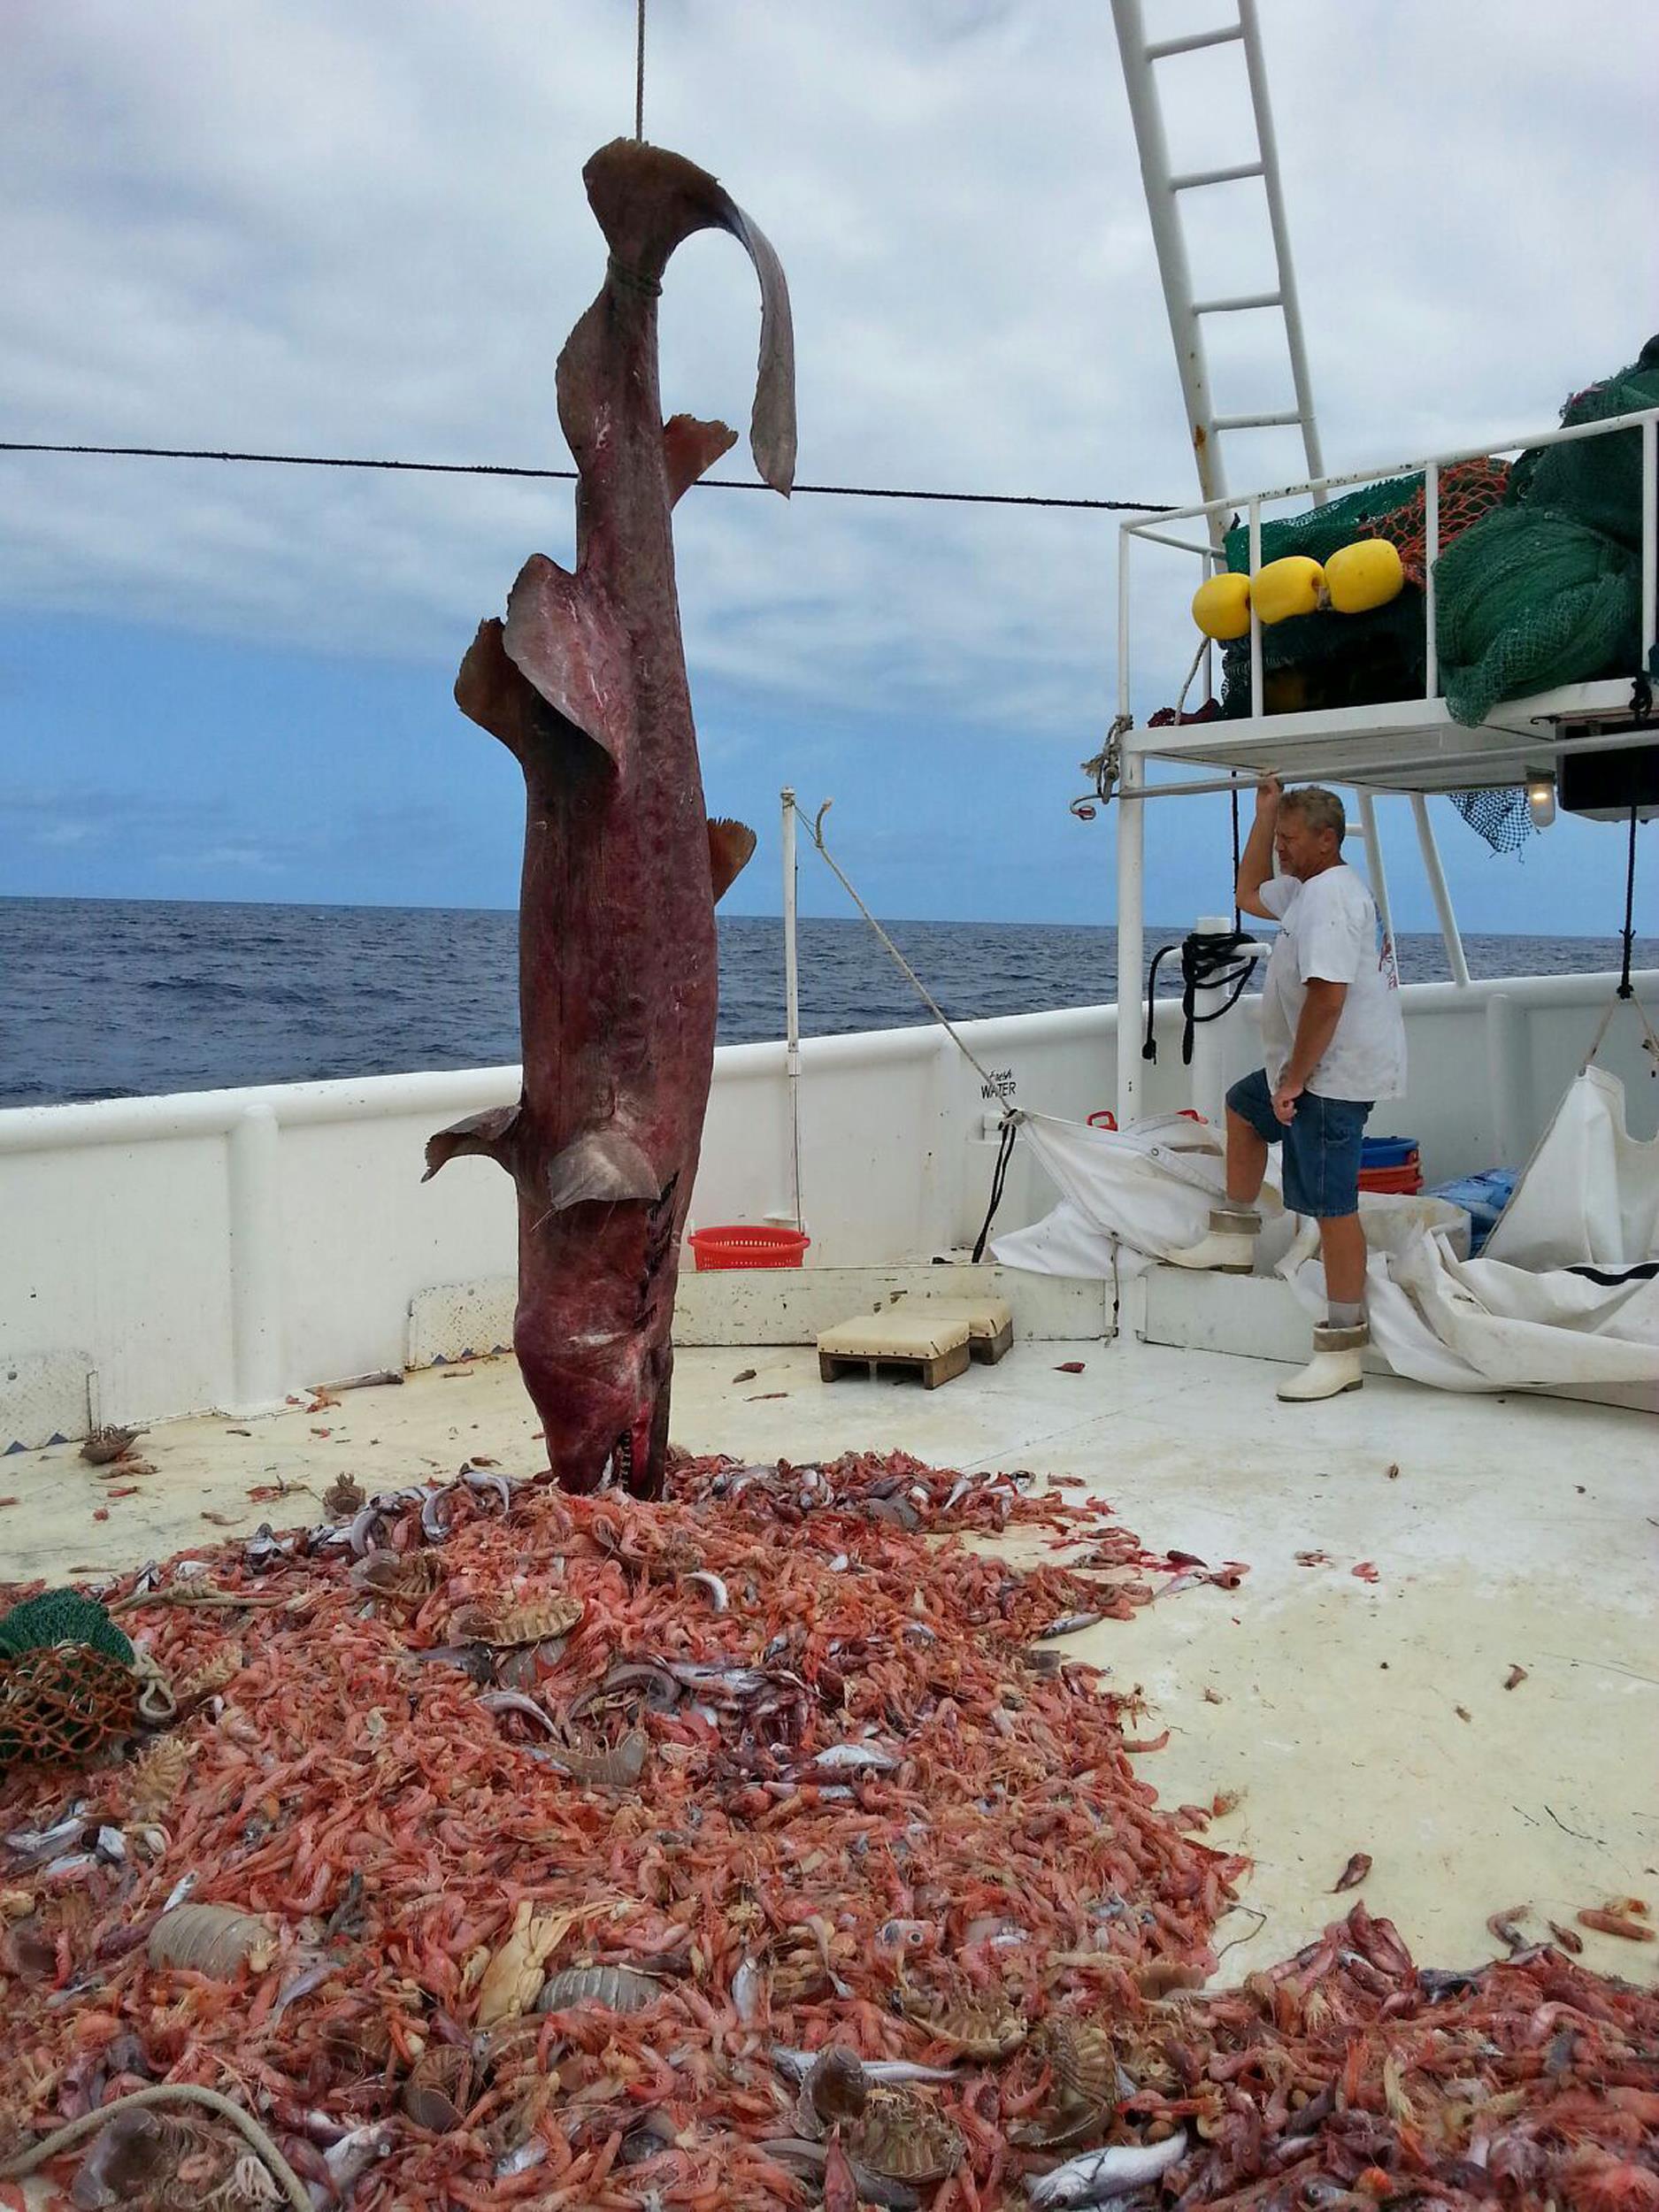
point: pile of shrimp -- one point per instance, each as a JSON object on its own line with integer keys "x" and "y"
{"x": 1348, "y": 2076}
{"x": 572, "y": 1827}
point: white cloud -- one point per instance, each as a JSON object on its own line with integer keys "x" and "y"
{"x": 211, "y": 859}
{"x": 292, "y": 227}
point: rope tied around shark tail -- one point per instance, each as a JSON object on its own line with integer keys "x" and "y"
{"x": 631, "y": 281}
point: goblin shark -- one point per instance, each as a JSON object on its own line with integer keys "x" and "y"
{"x": 585, "y": 683}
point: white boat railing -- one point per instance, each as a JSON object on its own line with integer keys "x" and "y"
{"x": 226, "y": 1249}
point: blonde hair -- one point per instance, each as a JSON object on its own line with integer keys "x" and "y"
{"x": 1318, "y": 808}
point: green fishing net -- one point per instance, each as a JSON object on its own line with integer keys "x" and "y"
{"x": 1596, "y": 480}
{"x": 1528, "y": 599}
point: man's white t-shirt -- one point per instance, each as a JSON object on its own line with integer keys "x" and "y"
{"x": 1328, "y": 930}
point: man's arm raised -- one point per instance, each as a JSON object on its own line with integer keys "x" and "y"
{"x": 1255, "y": 863}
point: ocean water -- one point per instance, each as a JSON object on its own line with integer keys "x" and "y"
{"x": 119, "y": 999}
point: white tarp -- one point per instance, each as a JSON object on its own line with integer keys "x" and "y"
{"x": 1590, "y": 1197}
{"x": 1521, "y": 1316}
{"x": 1484, "y": 1324}
{"x": 1590, "y": 1194}
{"x": 1128, "y": 1197}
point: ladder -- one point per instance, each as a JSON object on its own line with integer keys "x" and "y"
{"x": 1165, "y": 192}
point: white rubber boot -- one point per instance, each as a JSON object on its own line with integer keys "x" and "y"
{"x": 1230, "y": 1247}
{"x": 1336, "y": 1366}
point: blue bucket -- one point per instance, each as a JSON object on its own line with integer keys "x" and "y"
{"x": 1388, "y": 1151}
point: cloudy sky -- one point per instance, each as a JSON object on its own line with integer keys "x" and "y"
{"x": 359, "y": 228}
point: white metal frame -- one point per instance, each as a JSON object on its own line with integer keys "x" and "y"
{"x": 1406, "y": 745}
{"x": 1410, "y": 744}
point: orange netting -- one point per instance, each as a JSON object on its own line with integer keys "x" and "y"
{"x": 1468, "y": 489}
{"x": 63, "y": 1701}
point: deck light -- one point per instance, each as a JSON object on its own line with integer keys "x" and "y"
{"x": 1540, "y": 800}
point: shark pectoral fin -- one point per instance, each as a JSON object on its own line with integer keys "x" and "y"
{"x": 606, "y": 1165}
{"x": 561, "y": 635}
{"x": 490, "y": 691}
{"x": 731, "y": 848}
{"x": 691, "y": 447}
{"x": 489, "y": 1132}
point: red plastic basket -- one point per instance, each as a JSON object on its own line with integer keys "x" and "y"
{"x": 741, "y": 1244}
{"x": 1406, "y": 1181}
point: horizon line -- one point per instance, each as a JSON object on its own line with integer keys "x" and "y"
{"x": 900, "y": 921}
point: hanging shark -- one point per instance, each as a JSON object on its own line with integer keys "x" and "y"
{"x": 585, "y": 683}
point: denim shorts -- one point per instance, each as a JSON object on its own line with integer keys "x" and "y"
{"x": 1322, "y": 1145}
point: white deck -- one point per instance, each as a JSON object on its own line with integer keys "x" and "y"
{"x": 1519, "y": 1532}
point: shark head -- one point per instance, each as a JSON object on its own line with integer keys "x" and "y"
{"x": 599, "y": 1379}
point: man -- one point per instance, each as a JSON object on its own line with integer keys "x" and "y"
{"x": 1333, "y": 1042}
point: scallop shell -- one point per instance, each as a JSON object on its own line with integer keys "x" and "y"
{"x": 905, "y": 2136}
{"x": 505, "y": 1623}
{"x": 836, "y": 2089}
{"x": 439, "y": 2090}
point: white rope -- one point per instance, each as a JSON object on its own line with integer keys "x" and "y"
{"x": 816, "y": 833}
{"x": 65, "y": 2138}
{"x": 1613, "y": 1006}
{"x": 1181, "y": 704}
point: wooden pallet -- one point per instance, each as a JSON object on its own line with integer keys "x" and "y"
{"x": 930, "y": 1370}
{"x": 989, "y": 1345}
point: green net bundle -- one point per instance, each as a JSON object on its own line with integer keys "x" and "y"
{"x": 1537, "y": 584}
{"x": 67, "y": 1684}
{"x": 1323, "y": 531}
{"x": 1596, "y": 480}
{"x": 1547, "y": 590}
{"x": 61, "y": 1617}
{"x": 1530, "y": 599}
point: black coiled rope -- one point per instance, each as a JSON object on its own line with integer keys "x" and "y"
{"x": 1210, "y": 960}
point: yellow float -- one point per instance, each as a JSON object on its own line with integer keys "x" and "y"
{"x": 1221, "y": 608}
{"x": 1288, "y": 588}
{"x": 1355, "y": 579}
{"x": 1363, "y": 575}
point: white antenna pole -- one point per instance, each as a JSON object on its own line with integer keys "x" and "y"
{"x": 792, "y": 997}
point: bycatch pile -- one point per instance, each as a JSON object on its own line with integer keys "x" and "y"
{"x": 755, "y": 1849}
